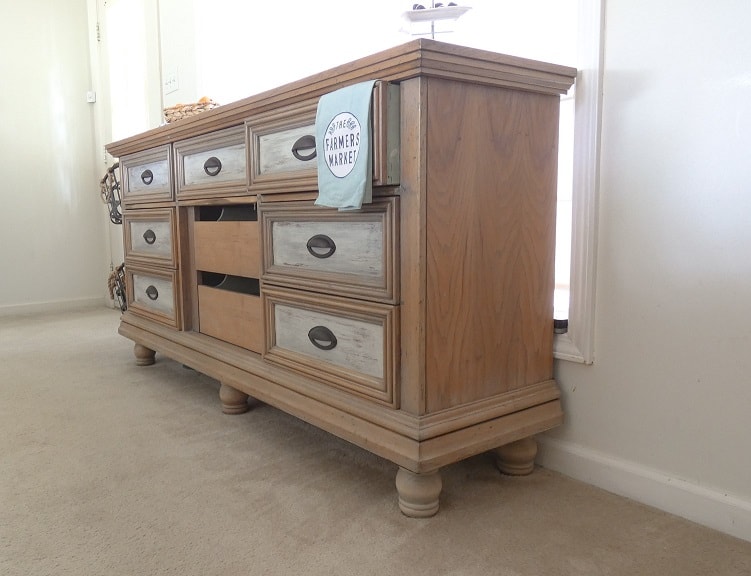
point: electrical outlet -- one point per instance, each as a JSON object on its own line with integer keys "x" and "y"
{"x": 170, "y": 83}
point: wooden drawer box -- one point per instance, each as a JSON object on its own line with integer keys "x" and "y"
{"x": 231, "y": 315}
{"x": 152, "y": 293}
{"x": 347, "y": 343}
{"x": 348, "y": 253}
{"x": 149, "y": 237}
{"x": 228, "y": 244}
{"x": 283, "y": 148}
{"x": 212, "y": 165}
{"x": 147, "y": 176}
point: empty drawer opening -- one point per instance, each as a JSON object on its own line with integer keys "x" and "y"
{"x": 250, "y": 286}
{"x": 232, "y": 213}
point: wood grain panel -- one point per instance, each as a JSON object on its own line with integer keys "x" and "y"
{"x": 490, "y": 240}
{"x": 231, "y": 316}
{"x": 227, "y": 248}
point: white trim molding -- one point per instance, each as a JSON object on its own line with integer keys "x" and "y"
{"x": 578, "y": 343}
{"x": 711, "y": 508}
{"x": 55, "y": 306}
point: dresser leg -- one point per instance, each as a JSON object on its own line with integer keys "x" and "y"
{"x": 233, "y": 401}
{"x": 144, "y": 356}
{"x": 517, "y": 458}
{"x": 418, "y": 493}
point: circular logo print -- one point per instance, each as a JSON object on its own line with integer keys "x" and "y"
{"x": 341, "y": 144}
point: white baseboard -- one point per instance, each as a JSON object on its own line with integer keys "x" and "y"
{"x": 34, "y": 308}
{"x": 711, "y": 508}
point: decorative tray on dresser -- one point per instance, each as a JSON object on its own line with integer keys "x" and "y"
{"x": 420, "y": 327}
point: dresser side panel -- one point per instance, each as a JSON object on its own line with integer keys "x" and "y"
{"x": 490, "y": 233}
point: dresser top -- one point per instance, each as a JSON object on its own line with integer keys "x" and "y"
{"x": 421, "y": 57}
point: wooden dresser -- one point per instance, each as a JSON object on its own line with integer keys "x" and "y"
{"x": 419, "y": 328}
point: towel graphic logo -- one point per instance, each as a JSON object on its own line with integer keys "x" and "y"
{"x": 341, "y": 144}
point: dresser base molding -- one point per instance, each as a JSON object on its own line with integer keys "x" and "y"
{"x": 419, "y": 457}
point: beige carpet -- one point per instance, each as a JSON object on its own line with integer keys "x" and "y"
{"x": 110, "y": 469}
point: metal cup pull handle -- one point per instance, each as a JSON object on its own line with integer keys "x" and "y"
{"x": 212, "y": 166}
{"x": 322, "y": 338}
{"x": 147, "y": 177}
{"x": 149, "y": 236}
{"x": 306, "y": 142}
{"x": 152, "y": 292}
{"x": 321, "y": 246}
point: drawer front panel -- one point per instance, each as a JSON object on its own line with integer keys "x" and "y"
{"x": 231, "y": 316}
{"x": 347, "y": 343}
{"x": 220, "y": 165}
{"x": 147, "y": 176}
{"x": 149, "y": 237}
{"x": 153, "y": 293}
{"x": 347, "y": 253}
{"x": 227, "y": 248}
{"x": 288, "y": 150}
{"x": 283, "y": 149}
{"x": 214, "y": 164}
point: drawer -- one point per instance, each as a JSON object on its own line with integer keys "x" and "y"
{"x": 348, "y": 253}
{"x": 283, "y": 148}
{"x": 212, "y": 164}
{"x": 346, "y": 343}
{"x": 149, "y": 237}
{"x": 153, "y": 293}
{"x": 230, "y": 311}
{"x": 226, "y": 240}
{"x": 147, "y": 176}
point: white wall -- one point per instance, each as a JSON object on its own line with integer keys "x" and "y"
{"x": 52, "y": 247}
{"x": 663, "y": 415}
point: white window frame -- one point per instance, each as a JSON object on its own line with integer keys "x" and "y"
{"x": 577, "y": 344}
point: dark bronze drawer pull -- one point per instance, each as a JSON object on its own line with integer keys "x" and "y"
{"x": 147, "y": 177}
{"x": 212, "y": 166}
{"x": 304, "y": 143}
{"x": 152, "y": 292}
{"x": 149, "y": 236}
{"x": 321, "y": 246}
{"x": 321, "y": 337}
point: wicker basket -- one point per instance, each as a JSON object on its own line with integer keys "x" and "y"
{"x": 180, "y": 111}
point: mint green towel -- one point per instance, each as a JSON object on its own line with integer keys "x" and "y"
{"x": 345, "y": 174}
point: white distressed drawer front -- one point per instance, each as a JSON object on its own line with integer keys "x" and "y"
{"x": 212, "y": 162}
{"x": 357, "y": 247}
{"x": 153, "y": 293}
{"x": 283, "y": 155}
{"x": 347, "y": 253}
{"x": 152, "y": 237}
{"x": 348, "y": 343}
{"x": 357, "y": 345}
{"x": 276, "y": 151}
{"x": 147, "y": 176}
{"x": 225, "y": 164}
{"x": 149, "y": 236}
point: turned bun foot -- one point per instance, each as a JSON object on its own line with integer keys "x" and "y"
{"x": 418, "y": 493}
{"x": 144, "y": 356}
{"x": 233, "y": 401}
{"x": 517, "y": 458}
